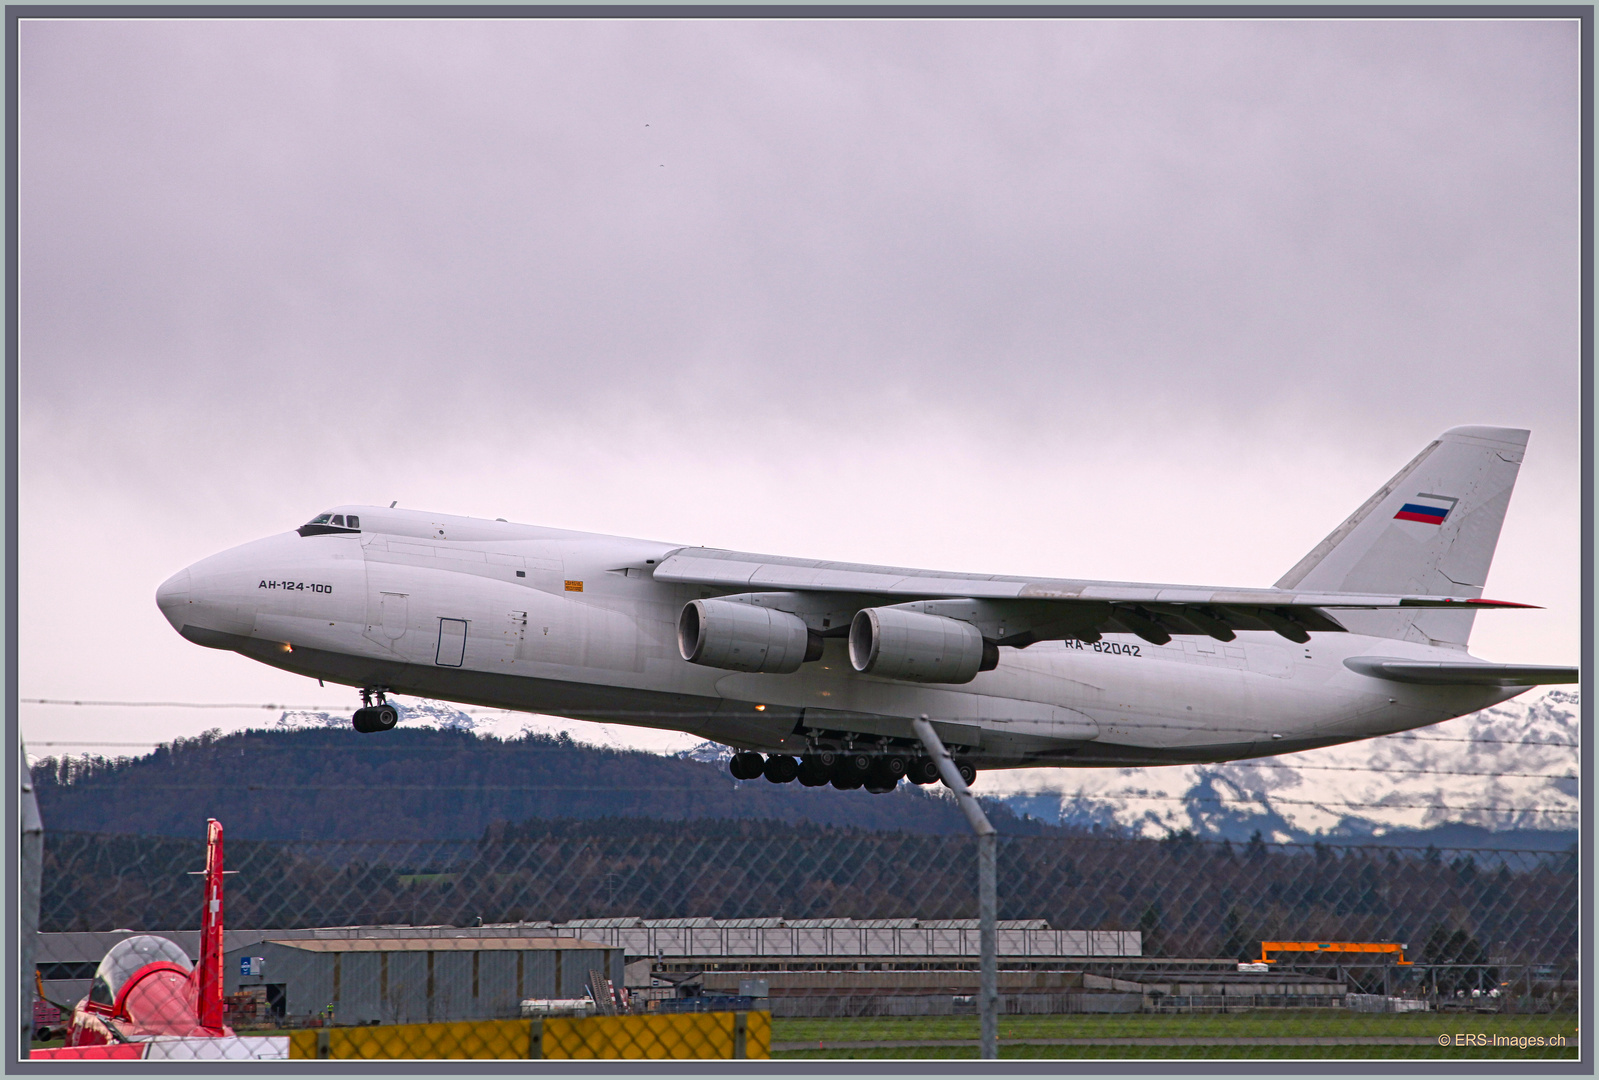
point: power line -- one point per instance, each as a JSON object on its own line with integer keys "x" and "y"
{"x": 1267, "y": 802}
{"x": 1271, "y": 763}
{"x": 369, "y": 747}
{"x": 623, "y": 716}
{"x": 176, "y": 704}
{"x": 1456, "y": 738}
{"x": 536, "y": 788}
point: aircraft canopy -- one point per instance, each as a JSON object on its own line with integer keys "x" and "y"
{"x": 330, "y": 523}
{"x": 126, "y": 958}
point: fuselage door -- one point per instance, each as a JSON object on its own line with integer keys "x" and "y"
{"x": 393, "y": 613}
{"x": 452, "y": 643}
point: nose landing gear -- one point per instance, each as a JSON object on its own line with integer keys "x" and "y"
{"x": 372, "y": 718}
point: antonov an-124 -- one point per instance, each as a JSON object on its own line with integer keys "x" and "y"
{"x": 815, "y": 671}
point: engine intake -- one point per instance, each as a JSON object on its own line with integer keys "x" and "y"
{"x": 896, "y": 644}
{"x": 742, "y": 637}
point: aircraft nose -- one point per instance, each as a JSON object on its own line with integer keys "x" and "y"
{"x": 174, "y": 597}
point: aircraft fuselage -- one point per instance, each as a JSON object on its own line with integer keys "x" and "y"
{"x": 520, "y": 617}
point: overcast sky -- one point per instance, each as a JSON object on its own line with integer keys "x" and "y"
{"x": 1146, "y": 300}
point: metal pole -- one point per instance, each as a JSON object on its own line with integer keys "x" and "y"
{"x": 987, "y": 897}
{"x": 28, "y": 924}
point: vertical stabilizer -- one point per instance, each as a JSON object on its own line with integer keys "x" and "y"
{"x": 208, "y": 972}
{"x": 1430, "y": 531}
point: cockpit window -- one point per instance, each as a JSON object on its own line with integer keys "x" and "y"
{"x": 330, "y": 522}
{"x": 124, "y": 961}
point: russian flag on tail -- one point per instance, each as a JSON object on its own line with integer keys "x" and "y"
{"x": 1427, "y": 509}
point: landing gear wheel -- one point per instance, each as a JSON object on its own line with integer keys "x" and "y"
{"x": 895, "y": 765}
{"x": 881, "y": 780}
{"x": 746, "y": 765}
{"x": 846, "y": 783}
{"x": 374, "y": 718}
{"x": 781, "y": 768}
{"x": 968, "y": 774}
{"x": 369, "y": 717}
{"x": 923, "y": 771}
{"x": 854, "y": 766}
{"x": 813, "y": 773}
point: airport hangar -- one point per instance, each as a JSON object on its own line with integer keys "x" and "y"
{"x": 804, "y": 967}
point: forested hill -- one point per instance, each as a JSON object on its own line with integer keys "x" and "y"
{"x": 421, "y": 784}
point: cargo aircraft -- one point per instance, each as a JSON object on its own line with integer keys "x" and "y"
{"x": 814, "y": 671}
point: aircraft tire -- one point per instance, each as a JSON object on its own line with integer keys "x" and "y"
{"x": 923, "y": 771}
{"x": 845, "y": 781}
{"x": 856, "y": 766}
{"x": 781, "y": 768}
{"x": 375, "y": 718}
{"x": 812, "y": 773}
{"x": 895, "y": 765}
{"x": 968, "y": 773}
{"x": 746, "y": 765}
{"x": 881, "y": 779}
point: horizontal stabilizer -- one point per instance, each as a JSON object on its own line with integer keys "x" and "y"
{"x": 1451, "y": 673}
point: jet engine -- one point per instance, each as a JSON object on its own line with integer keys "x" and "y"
{"x": 743, "y": 637}
{"x": 893, "y": 643}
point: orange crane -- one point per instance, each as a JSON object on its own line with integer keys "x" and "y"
{"x": 1332, "y": 947}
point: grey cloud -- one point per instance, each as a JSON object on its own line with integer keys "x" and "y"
{"x": 471, "y": 219}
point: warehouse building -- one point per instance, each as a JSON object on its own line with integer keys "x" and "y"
{"x": 1189, "y": 985}
{"x": 802, "y": 941}
{"x": 414, "y": 980}
{"x": 833, "y": 966}
{"x": 366, "y": 974}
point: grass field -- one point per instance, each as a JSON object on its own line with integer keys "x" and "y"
{"x": 1261, "y": 1034}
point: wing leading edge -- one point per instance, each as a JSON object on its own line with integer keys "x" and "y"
{"x": 1023, "y": 610}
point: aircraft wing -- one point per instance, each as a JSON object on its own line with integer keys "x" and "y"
{"x": 1049, "y": 607}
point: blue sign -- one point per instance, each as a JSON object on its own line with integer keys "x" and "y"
{"x": 251, "y": 965}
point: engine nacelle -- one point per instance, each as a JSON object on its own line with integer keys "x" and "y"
{"x": 742, "y": 637}
{"x": 896, "y": 644}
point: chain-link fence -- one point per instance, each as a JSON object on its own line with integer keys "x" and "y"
{"x": 855, "y": 943}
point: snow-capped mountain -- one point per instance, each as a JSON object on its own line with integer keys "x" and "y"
{"x": 1511, "y": 768}
{"x": 502, "y": 724}
{"x": 414, "y": 712}
{"x": 710, "y": 753}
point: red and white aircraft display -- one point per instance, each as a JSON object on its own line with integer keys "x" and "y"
{"x": 145, "y": 986}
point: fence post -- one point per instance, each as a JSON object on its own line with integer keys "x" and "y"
{"x": 987, "y": 898}
{"x": 32, "y": 864}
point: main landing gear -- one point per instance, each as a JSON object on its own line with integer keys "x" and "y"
{"x": 878, "y": 773}
{"x": 370, "y": 718}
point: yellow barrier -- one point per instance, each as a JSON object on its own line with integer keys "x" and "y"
{"x": 673, "y": 1035}
{"x": 462, "y": 1039}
